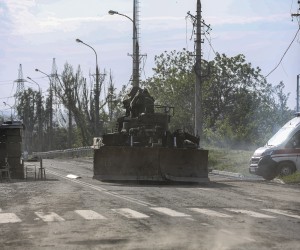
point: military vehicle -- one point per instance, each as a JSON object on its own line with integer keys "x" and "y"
{"x": 144, "y": 149}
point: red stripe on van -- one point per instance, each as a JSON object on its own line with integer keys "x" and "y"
{"x": 287, "y": 151}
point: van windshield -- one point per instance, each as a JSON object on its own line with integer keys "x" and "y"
{"x": 280, "y": 136}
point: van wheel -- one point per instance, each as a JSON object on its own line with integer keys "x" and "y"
{"x": 286, "y": 168}
{"x": 269, "y": 176}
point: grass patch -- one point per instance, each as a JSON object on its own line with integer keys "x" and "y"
{"x": 229, "y": 160}
{"x": 237, "y": 161}
{"x": 291, "y": 179}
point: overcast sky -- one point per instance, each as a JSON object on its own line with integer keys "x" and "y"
{"x": 33, "y": 32}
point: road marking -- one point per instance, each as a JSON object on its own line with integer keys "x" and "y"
{"x": 9, "y": 218}
{"x": 131, "y": 214}
{"x": 210, "y": 212}
{"x": 241, "y": 237}
{"x": 250, "y": 213}
{"x": 206, "y": 224}
{"x": 282, "y": 212}
{"x": 253, "y": 199}
{"x": 227, "y": 232}
{"x": 49, "y": 217}
{"x": 90, "y": 215}
{"x": 103, "y": 190}
{"x": 169, "y": 212}
{"x": 249, "y": 239}
{"x": 0, "y": 210}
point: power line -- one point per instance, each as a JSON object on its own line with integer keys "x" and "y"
{"x": 210, "y": 44}
{"x": 284, "y": 53}
{"x": 7, "y": 97}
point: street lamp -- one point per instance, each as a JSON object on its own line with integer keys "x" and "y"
{"x": 11, "y": 117}
{"x": 96, "y": 92}
{"x": 35, "y": 83}
{"x": 39, "y": 114}
{"x": 51, "y": 110}
{"x": 136, "y": 53}
{"x": 297, "y": 107}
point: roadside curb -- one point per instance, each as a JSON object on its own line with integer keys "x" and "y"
{"x": 226, "y": 173}
{"x": 241, "y": 176}
{"x": 276, "y": 180}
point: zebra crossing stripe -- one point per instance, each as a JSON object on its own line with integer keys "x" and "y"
{"x": 210, "y": 212}
{"x": 282, "y": 212}
{"x": 169, "y": 212}
{"x": 49, "y": 217}
{"x": 131, "y": 214}
{"x": 90, "y": 215}
{"x": 0, "y": 210}
{"x": 9, "y": 218}
{"x": 251, "y": 213}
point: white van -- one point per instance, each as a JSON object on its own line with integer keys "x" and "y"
{"x": 281, "y": 155}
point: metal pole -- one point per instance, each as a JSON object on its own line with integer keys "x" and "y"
{"x": 198, "y": 83}
{"x": 96, "y": 93}
{"x": 136, "y": 49}
{"x": 51, "y": 110}
{"x": 297, "y": 107}
{"x": 39, "y": 115}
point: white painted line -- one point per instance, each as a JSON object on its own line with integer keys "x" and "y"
{"x": 169, "y": 212}
{"x": 249, "y": 239}
{"x": 253, "y": 199}
{"x": 49, "y": 217}
{"x": 9, "y": 218}
{"x": 90, "y": 215}
{"x": 72, "y": 176}
{"x": 282, "y": 212}
{"x": 205, "y": 224}
{"x": 103, "y": 190}
{"x": 131, "y": 214}
{"x": 250, "y": 213}
{"x": 241, "y": 237}
{"x": 227, "y": 232}
{"x": 0, "y": 210}
{"x": 210, "y": 212}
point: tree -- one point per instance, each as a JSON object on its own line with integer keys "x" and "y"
{"x": 74, "y": 93}
{"x": 27, "y": 111}
{"x": 173, "y": 85}
{"x": 240, "y": 106}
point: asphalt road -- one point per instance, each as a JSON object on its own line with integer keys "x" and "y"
{"x": 64, "y": 213}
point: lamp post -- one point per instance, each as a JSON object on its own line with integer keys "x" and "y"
{"x": 96, "y": 92}
{"x": 136, "y": 53}
{"x": 297, "y": 107}
{"x": 51, "y": 110}
{"x": 2, "y": 116}
{"x": 39, "y": 115}
{"x": 35, "y": 83}
{"x": 6, "y": 104}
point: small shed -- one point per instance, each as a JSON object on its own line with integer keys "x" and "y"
{"x": 11, "y": 147}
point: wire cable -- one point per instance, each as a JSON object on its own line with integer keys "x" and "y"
{"x": 284, "y": 53}
{"x": 210, "y": 44}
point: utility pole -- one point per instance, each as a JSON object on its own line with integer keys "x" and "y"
{"x": 198, "y": 83}
{"x": 198, "y": 113}
{"x": 135, "y": 48}
{"x": 297, "y": 16}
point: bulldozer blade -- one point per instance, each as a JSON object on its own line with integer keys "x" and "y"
{"x": 118, "y": 163}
